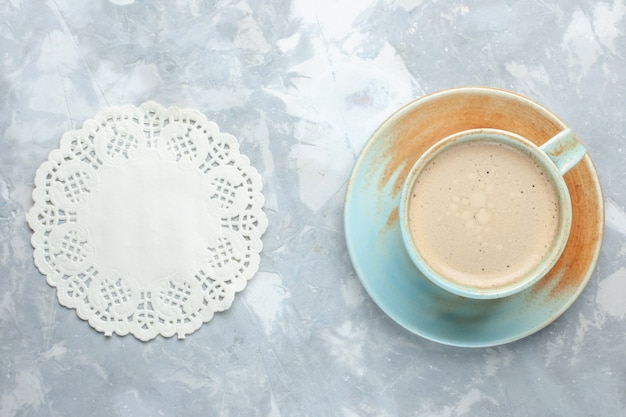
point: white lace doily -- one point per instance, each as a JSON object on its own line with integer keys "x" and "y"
{"x": 147, "y": 221}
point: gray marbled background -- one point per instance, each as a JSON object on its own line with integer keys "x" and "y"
{"x": 302, "y": 84}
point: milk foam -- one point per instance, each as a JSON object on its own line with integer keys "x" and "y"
{"x": 483, "y": 214}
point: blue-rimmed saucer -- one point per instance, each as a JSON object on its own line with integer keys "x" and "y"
{"x": 374, "y": 239}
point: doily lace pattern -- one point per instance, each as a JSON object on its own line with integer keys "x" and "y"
{"x": 147, "y": 221}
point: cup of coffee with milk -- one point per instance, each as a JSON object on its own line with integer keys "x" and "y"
{"x": 486, "y": 213}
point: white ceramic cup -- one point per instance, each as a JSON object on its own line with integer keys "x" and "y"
{"x": 553, "y": 159}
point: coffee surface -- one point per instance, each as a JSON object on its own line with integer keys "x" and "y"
{"x": 483, "y": 214}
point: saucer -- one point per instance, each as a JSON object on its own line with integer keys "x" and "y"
{"x": 374, "y": 238}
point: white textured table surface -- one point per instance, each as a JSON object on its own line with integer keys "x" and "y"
{"x": 303, "y": 84}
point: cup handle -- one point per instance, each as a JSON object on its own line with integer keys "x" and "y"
{"x": 564, "y": 150}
